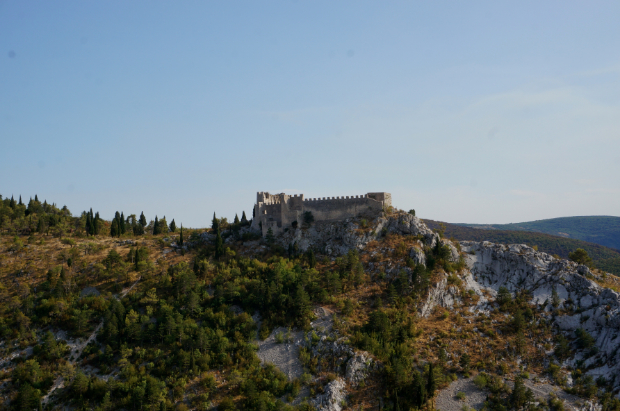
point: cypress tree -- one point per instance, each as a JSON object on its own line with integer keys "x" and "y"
{"x": 88, "y": 224}
{"x": 236, "y": 221}
{"x": 142, "y": 219}
{"x": 121, "y": 223}
{"x": 430, "y": 383}
{"x": 173, "y": 226}
{"x": 96, "y": 224}
{"x": 181, "y": 237}
{"x": 219, "y": 245}
{"x": 20, "y": 200}
{"x": 136, "y": 258}
{"x": 244, "y": 219}
{"x": 40, "y": 225}
{"x": 156, "y": 226}
{"x": 29, "y": 207}
{"x": 12, "y": 203}
{"x": 114, "y": 228}
{"x": 36, "y": 198}
{"x": 162, "y": 406}
{"x": 215, "y": 225}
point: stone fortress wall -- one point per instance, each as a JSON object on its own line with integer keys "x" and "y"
{"x": 280, "y": 211}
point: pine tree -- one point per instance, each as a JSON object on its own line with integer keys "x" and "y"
{"x": 419, "y": 391}
{"x": 431, "y": 385}
{"x": 519, "y": 394}
{"x": 219, "y": 245}
{"x": 520, "y": 343}
{"x": 311, "y": 258}
{"x": 392, "y": 294}
{"x": 114, "y": 232}
{"x": 156, "y": 226}
{"x": 555, "y": 298}
{"x": 162, "y": 406}
{"x": 142, "y": 219}
{"x": 215, "y": 225}
{"x": 163, "y": 226}
{"x": 181, "y": 236}
{"x": 29, "y": 207}
{"x": 121, "y": 222}
{"x": 173, "y": 226}
{"x": 117, "y": 217}
{"x": 270, "y": 238}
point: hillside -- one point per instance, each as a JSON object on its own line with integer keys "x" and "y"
{"x": 376, "y": 314}
{"x": 603, "y": 230}
{"x": 605, "y": 258}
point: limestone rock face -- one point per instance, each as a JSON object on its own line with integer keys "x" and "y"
{"x": 440, "y": 295}
{"x": 333, "y": 398}
{"x": 417, "y": 256}
{"x": 342, "y": 236}
{"x": 596, "y": 309}
{"x": 357, "y": 367}
{"x": 454, "y": 253}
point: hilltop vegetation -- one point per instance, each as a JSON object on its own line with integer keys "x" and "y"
{"x": 121, "y": 314}
{"x": 603, "y": 230}
{"x": 603, "y": 258}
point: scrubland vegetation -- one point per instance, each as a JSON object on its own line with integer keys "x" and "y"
{"x": 174, "y": 316}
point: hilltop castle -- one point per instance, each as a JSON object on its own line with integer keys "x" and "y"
{"x": 280, "y": 211}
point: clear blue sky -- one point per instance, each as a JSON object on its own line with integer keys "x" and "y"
{"x": 481, "y": 112}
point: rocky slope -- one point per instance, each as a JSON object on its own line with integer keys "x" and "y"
{"x": 339, "y": 237}
{"x": 584, "y": 304}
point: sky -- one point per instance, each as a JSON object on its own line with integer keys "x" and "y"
{"x": 477, "y": 112}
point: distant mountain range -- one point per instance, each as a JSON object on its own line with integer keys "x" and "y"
{"x": 605, "y": 258}
{"x": 603, "y": 230}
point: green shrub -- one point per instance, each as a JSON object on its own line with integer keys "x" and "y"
{"x": 481, "y": 380}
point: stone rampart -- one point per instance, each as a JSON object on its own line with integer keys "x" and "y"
{"x": 280, "y": 211}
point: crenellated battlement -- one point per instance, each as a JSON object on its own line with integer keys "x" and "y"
{"x": 337, "y": 198}
{"x": 280, "y": 211}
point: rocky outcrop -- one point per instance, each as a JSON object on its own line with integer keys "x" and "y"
{"x": 441, "y": 295}
{"x": 358, "y": 367}
{"x": 334, "y": 397}
{"x": 591, "y": 307}
{"x": 454, "y": 253}
{"x": 418, "y": 256}
{"x": 341, "y": 236}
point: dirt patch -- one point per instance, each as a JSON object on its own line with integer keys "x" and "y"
{"x": 447, "y": 399}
